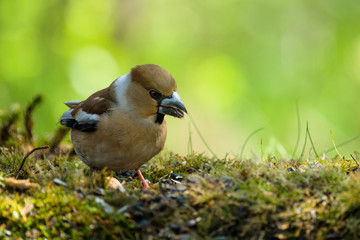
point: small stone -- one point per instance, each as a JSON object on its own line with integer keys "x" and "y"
{"x": 176, "y": 176}
{"x": 33, "y": 234}
{"x": 177, "y": 182}
{"x": 193, "y": 180}
{"x": 99, "y": 191}
{"x": 177, "y": 228}
{"x": 7, "y": 232}
{"x": 176, "y": 163}
{"x": 228, "y": 179}
{"x": 80, "y": 193}
{"x": 332, "y": 235}
{"x": 291, "y": 169}
{"x": 107, "y": 208}
{"x": 301, "y": 169}
{"x": 193, "y": 222}
{"x": 15, "y": 214}
{"x": 125, "y": 174}
{"x": 183, "y": 237}
{"x": 314, "y": 164}
{"x": 114, "y": 184}
{"x": 165, "y": 233}
{"x": 123, "y": 209}
{"x": 138, "y": 206}
{"x": 207, "y": 168}
{"x": 166, "y": 186}
{"x": 165, "y": 180}
{"x": 60, "y": 182}
{"x": 141, "y": 223}
{"x": 313, "y": 213}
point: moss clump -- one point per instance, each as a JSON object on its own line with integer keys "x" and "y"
{"x": 190, "y": 196}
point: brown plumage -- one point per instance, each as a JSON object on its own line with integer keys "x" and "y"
{"x": 122, "y": 127}
{"x": 120, "y": 143}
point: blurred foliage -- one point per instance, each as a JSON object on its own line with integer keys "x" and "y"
{"x": 240, "y": 64}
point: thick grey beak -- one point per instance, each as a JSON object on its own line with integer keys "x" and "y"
{"x": 172, "y": 106}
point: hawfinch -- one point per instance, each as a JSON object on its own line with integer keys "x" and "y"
{"x": 122, "y": 126}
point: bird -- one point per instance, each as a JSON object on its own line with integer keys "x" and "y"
{"x": 123, "y": 126}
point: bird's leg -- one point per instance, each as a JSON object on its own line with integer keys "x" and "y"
{"x": 142, "y": 179}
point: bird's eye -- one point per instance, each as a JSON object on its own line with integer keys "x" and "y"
{"x": 154, "y": 94}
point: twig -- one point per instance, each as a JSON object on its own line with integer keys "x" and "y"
{"x": 26, "y": 156}
{"x": 5, "y": 131}
{"x": 354, "y": 160}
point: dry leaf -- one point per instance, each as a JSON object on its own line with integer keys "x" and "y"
{"x": 25, "y": 211}
{"x": 20, "y": 184}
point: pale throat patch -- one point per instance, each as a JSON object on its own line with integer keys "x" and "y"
{"x": 121, "y": 86}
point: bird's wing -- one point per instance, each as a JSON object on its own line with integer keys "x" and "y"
{"x": 85, "y": 115}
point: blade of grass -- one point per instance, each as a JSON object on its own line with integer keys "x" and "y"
{"x": 303, "y": 150}
{"x": 190, "y": 145}
{"x": 247, "y": 139}
{"x": 312, "y": 144}
{"x": 299, "y": 130}
{"x": 341, "y": 144}
{"x": 332, "y": 140}
{"x": 200, "y": 135}
{"x": 263, "y": 157}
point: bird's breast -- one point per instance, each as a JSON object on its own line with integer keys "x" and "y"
{"x": 120, "y": 142}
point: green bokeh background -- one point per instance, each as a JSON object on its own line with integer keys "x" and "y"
{"x": 240, "y": 64}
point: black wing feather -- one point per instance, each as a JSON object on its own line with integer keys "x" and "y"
{"x": 68, "y": 120}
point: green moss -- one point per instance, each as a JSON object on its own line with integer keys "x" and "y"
{"x": 209, "y": 198}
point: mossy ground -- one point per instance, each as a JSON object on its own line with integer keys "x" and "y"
{"x": 191, "y": 197}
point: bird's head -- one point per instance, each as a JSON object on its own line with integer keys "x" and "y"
{"x": 153, "y": 93}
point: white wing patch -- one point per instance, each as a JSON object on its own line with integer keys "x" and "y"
{"x": 84, "y": 118}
